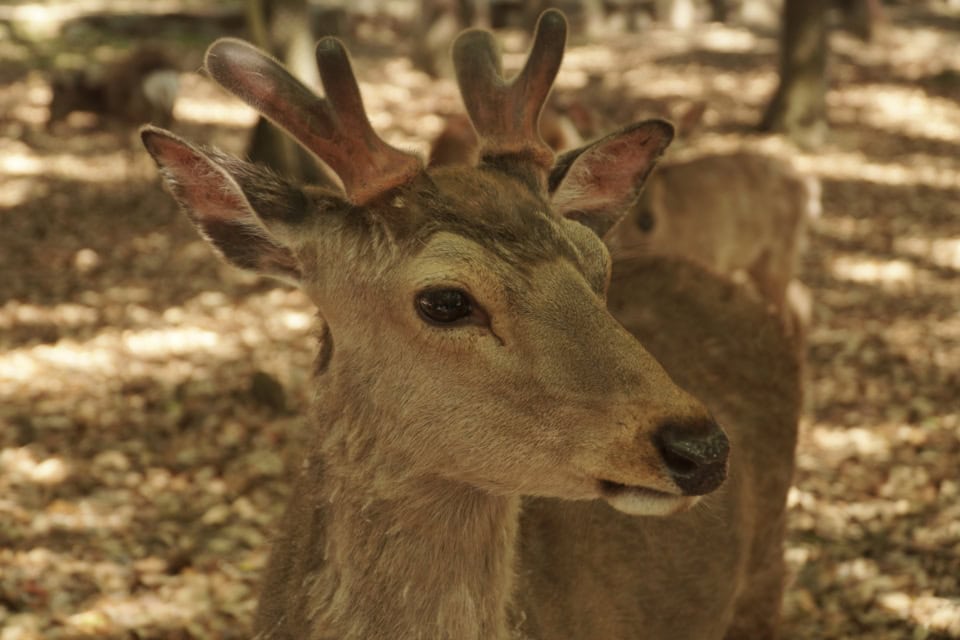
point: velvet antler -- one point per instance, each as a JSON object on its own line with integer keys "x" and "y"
{"x": 335, "y": 128}
{"x": 506, "y": 114}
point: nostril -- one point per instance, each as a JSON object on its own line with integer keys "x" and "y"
{"x": 677, "y": 462}
{"x": 695, "y": 453}
{"x": 689, "y": 445}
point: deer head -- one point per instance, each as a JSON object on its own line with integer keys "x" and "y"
{"x": 468, "y": 336}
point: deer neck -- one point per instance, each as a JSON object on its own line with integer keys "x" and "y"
{"x": 436, "y": 564}
{"x": 407, "y": 557}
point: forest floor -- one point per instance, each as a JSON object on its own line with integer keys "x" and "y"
{"x": 150, "y": 397}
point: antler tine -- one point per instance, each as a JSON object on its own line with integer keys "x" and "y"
{"x": 336, "y": 129}
{"x": 507, "y": 114}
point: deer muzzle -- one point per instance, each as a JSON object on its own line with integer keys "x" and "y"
{"x": 692, "y": 454}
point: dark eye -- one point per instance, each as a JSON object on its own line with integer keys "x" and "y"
{"x": 444, "y": 306}
{"x": 645, "y": 220}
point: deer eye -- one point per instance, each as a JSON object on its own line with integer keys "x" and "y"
{"x": 645, "y": 220}
{"x": 444, "y": 306}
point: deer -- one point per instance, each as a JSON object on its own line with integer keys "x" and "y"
{"x": 142, "y": 84}
{"x": 743, "y": 215}
{"x": 492, "y": 454}
{"x": 457, "y": 142}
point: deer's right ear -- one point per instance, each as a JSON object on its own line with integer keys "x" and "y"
{"x": 244, "y": 211}
{"x": 597, "y": 183}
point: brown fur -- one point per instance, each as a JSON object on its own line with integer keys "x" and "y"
{"x": 457, "y": 142}
{"x": 451, "y": 483}
{"x": 742, "y": 215}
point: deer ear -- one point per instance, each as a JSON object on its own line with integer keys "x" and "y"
{"x": 597, "y": 183}
{"x": 243, "y": 210}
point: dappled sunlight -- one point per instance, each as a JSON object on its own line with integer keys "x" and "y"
{"x": 153, "y": 399}
{"x": 826, "y": 445}
{"x": 58, "y": 11}
{"x": 933, "y": 346}
{"x": 943, "y": 252}
{"x": 19, "y": 160}
{"x": 34, "y": 96}
{"x": 14, "y": 192}
{"x": 162, "y": 344}
{"x": 202, "y": 101}
{"x": 906, "y": 500}
{"x": 22, "y": 365}
{"x": 751, "y": 90}
{"x": 22, "y": 465}
{"x": 831, "y": 518}
{"x": 111, "y": 615}
{"x": 845, "y": 228}
{"x": 913, "y": 50}
{"x": 67, "y": 357}
{"x": 404, "y": 104}
{"x": 92, "y": 514}
{"x": 579, "y": 62}
{"x": 894, "y": 274}
{"x": 898, "y": 109}
{"x": 82, "y": 515}
{"x": 174, "y": 603}
{"x": 924, "y": 253}
{"x": 909, "y": 170}
{"x": 930, "y": 612}
{"x": 877, "y": 580}
{"x": 845, "y": 442}
{"x": 724, "y": 39}
{"x": 207, "y": 328}
{"x": 222, "y": 112}
{"x": 168, "y": 602}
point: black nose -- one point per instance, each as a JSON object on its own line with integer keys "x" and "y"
{"x": 695, "y": 452}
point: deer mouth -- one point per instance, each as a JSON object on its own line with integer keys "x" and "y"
{"x": 642, "y": 501}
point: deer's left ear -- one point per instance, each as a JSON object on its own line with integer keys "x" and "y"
{"x": 247, "y": 213}
{"x": 597, "y": 183}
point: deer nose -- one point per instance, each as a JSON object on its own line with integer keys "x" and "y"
{"x": 695, "y": 453}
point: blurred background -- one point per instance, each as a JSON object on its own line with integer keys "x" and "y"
{"x": 150, "y": 397}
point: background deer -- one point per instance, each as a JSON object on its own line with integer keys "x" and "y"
{"x": 457, "y": 142}
{"x": 479, "y": 411}
{"x": 141, "y": 85}
{"x": 743, "y": 215}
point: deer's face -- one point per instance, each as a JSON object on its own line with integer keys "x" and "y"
{"x": 477, "y": 329}
{"x": 467, "y": 307}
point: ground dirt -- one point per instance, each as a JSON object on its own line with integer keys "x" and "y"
{"x": 150, "y": 397}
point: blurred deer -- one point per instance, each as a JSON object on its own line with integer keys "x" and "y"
{"x": 743, "y": 215}
{"x": 485, "y": 434}
{"x": 457, "y": 142}
{"x": 141, "y": 85}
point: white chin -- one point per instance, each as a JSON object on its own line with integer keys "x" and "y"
{"x": 637, "y": 501}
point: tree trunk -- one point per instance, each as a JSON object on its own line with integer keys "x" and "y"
{"x": 283, "y": 28}
{"x": 679, "y": 14}
{"x": 719, "y": 11}
{"x": 863, "y": 18}
{"x": 798, "y": 108}
{"x": 437, "y": 25}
